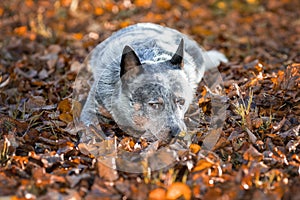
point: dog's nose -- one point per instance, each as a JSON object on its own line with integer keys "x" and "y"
{"x": 175, "y": 130}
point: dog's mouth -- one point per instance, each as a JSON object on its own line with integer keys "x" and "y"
{"x": 165, "y": 136}
{"x": 155, "y": 130}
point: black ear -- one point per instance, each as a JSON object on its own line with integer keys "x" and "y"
{"x": 129, "y": 60}
{"x": 177, "y": 58}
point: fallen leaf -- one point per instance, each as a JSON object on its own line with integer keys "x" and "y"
{"x": 106, "y": 168}
{"x": 157, "y": 194}
{"x": 202, "y": 164}
{"x": 212, "y": 138}
{"x": 99, "y": 11}
{"x": 177, "y": 190}
{"x": 252, "y": 154}
{"x": 66, "y": 117}
{"x": 195, "y": 148}
{"x": 22, "y": 30}
{"x": 65, "y": 106}
{"x": 143, "y": 3}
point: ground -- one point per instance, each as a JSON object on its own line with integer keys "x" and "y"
{"x": 42, "y": 44}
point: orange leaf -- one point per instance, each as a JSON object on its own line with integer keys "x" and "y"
{"x": 186, "y": 4}
{"x": 99, "y": 11}
{"x": 247, "y": 182}
{"x": 66, "y": 117}
{"x": 1, "y": 11}
{"x": 110, "y": 6}
{"x": 64, "y": 106}
{"x": 157, "y": 194}
{"x": 143, "y": 3}
{"x": 252, "y": 1}
{"x": 177, "y": 190}
{"x": 65, "y": 3}
{"x": 153, "y": 17}
{"x": 199, "y": 12}
{"x": 204, "y": 91}
{"x": 77, "y": 36}
{"x": 163, "y": 4}
{"x": 32, "y": 36}
{"x": 20, "y": 30}
{"x": 198, "y": 30}
{"x": 124, "y": 24}
{"x": 127, "y": 144}
{"x": 195, "y": 148}
{"x": 259, "y": 67}
{"x": 29, "y": 3}
{"x": 202, "y": 164}
{"x": 221, "y": 5}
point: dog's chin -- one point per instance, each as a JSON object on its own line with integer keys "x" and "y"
{"x": 162, "y": 137}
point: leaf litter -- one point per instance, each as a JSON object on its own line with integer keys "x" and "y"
{"x": 257, "y": 153}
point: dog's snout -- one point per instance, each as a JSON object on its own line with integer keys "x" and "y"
{"x": 175, "y": 127}
{"x": 175, "y": 130}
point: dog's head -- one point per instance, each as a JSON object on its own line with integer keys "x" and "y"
{"x": 151, "y": 99}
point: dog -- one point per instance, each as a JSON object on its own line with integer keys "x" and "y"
{"x": 145, "y": 77}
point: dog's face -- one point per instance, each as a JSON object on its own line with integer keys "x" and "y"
{"x": 151, "y": 99}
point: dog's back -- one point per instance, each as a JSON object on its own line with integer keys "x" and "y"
{"x": 152, "y": 43}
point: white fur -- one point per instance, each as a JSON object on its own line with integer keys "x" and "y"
{"x": 213, "y": 59}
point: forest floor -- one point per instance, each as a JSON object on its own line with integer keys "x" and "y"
{"x": 257, "y": 155}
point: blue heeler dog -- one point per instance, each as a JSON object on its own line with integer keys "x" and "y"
{"x": 145, "y": 77}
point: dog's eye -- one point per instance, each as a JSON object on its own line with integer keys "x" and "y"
{"x": 156, "y": 105}
{"x": 131, "y": 102}
{"x": 180, "y": 101}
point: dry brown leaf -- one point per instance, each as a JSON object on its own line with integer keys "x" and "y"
{"x": 64, "y": 106}
{"x": 106, "y": 168}
{"x": 212, "y": 138}
{"x": 66, "y": 117}
{"x": 252, "y": 154}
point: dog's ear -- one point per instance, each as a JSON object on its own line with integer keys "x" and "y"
{"x": 177, "y": 58}
{"x": 129, "y": 60}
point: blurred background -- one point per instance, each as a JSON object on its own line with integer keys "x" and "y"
{"x": 243, "y": 30}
